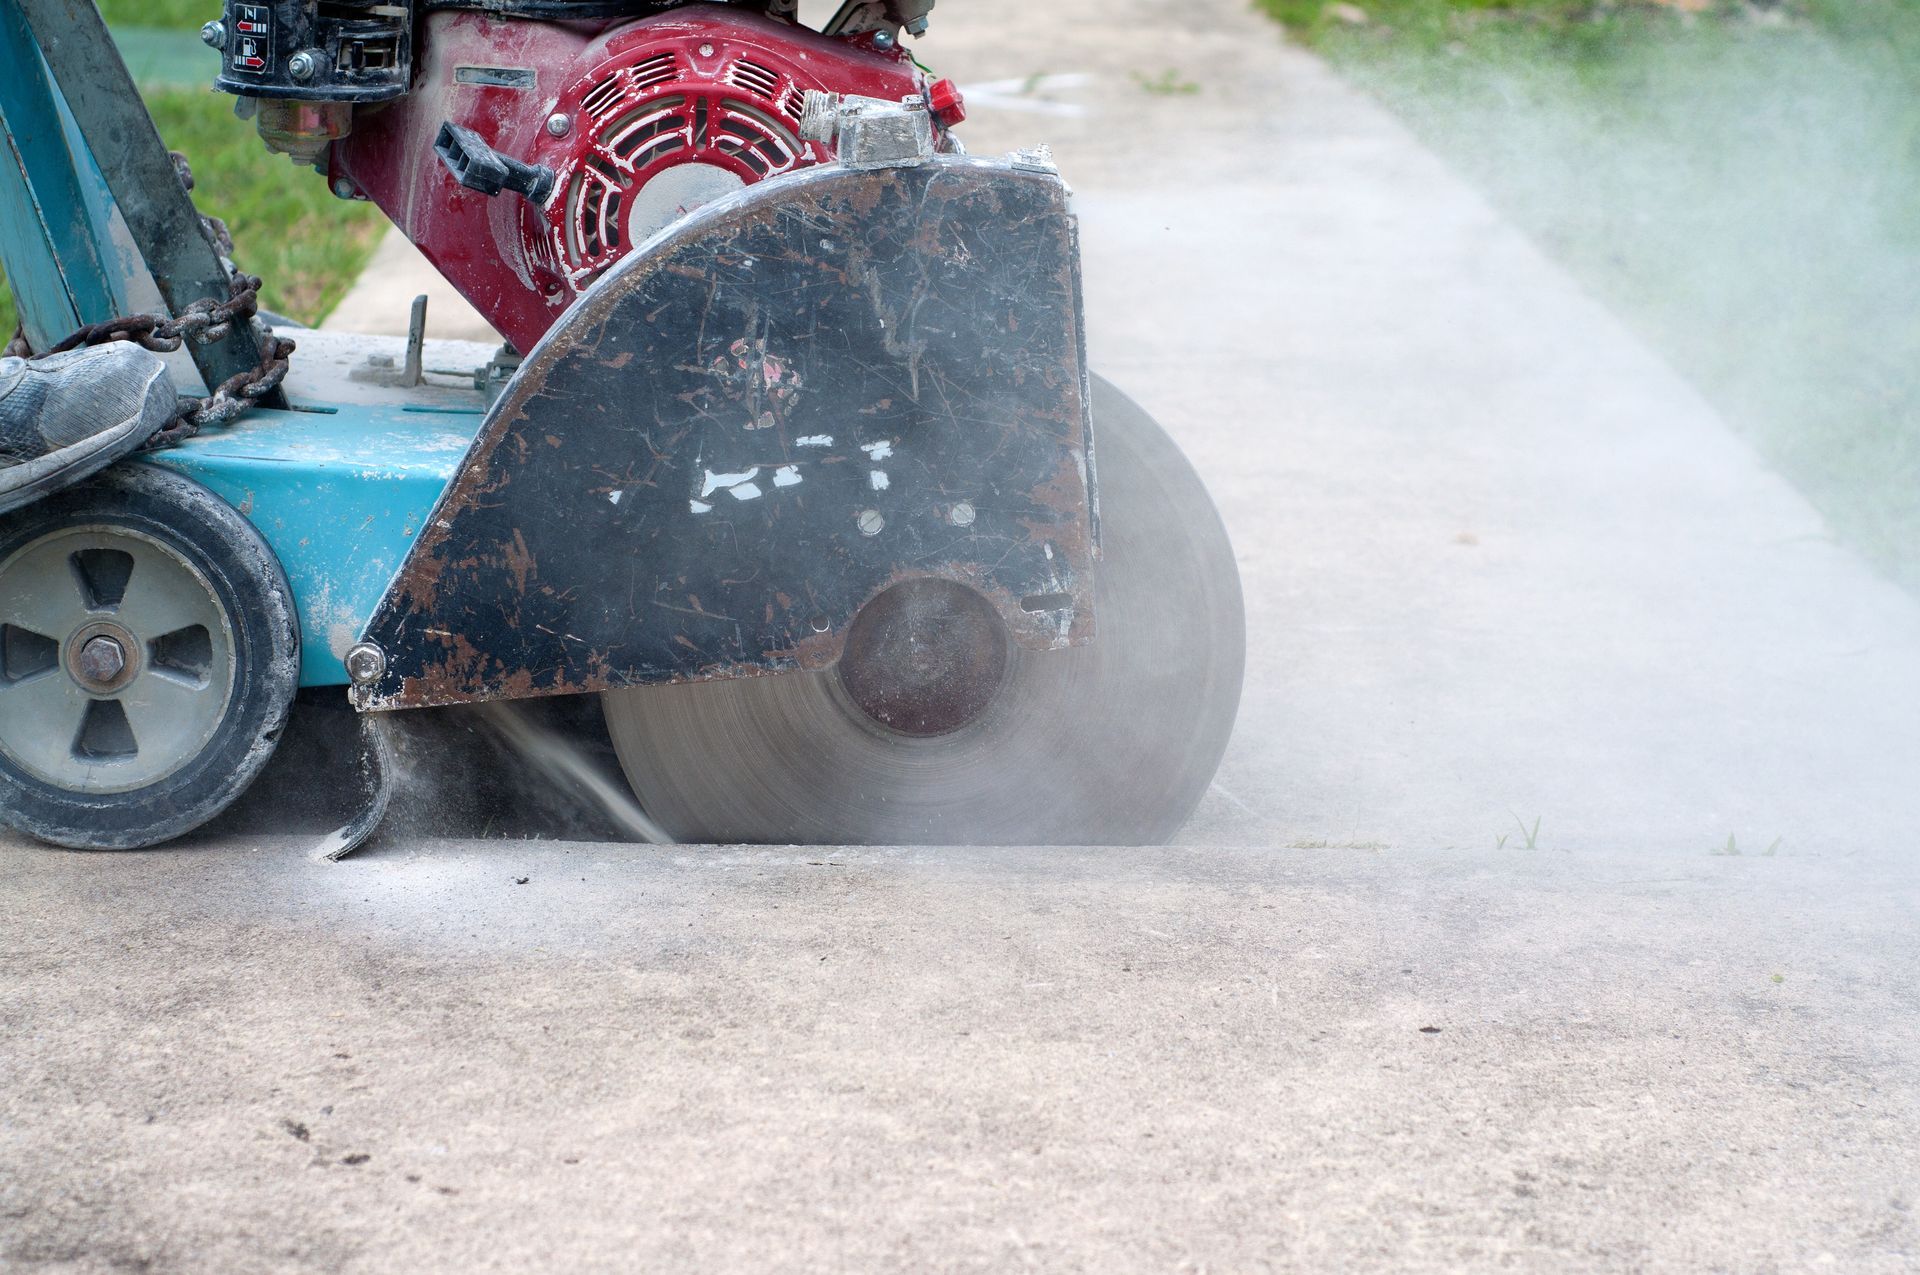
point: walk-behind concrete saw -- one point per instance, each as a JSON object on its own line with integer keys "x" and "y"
{"x": 791, "y": 455}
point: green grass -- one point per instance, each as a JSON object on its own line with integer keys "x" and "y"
{"x": 186, "y": 15}
{"x": 287, "y": 227}
{"x": 1742, "y": 184}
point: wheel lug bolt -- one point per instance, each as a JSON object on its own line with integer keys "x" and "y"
{"x": 102, "y": 659}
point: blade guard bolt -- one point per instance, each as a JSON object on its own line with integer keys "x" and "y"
{"x": 559, "y": 124}
{"x": 303, "y": 65}
{"x": 884, "y": 41}
{"x": 961, "y": 515}
{"x": 872, "y": 523}
{"x": 214, "y": 34}
{"x": 366, "y": 664}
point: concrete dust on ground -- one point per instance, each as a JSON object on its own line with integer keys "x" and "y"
{"x": 547, "y": 1056}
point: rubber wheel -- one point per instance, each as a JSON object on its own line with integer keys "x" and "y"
{"x": 149, "y": 650}
{"x": 1112, "y": 743}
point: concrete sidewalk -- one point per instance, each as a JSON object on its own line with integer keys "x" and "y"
{"x": 1502, "y": 565}
{"x": 231, "y": 1058}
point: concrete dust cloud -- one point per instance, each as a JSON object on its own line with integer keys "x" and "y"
{"x": 1747, "y": 196}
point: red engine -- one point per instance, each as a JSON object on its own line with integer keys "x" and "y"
{"x": 639, "y": 122}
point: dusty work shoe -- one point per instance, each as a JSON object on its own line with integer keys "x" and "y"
{"x": 67, "y": 416}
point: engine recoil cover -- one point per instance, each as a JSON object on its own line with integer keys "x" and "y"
{"x": 641, "y": 122}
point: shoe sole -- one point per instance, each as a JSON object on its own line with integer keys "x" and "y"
{"x": 23, "y": 484}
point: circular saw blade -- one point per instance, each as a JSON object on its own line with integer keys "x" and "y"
{"x": 1108, "y": 743}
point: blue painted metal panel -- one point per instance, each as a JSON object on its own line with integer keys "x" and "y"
{"x": 55, "y": 218}
{"x": 119, "y": 262}
{"x": 340, "y": 495}
{"x": 33, "y": 276}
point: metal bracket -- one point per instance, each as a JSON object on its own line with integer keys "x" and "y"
{"x": 375, "y": 772}
{"x": 858, "y": 17}
{"x": 869, "y": 132}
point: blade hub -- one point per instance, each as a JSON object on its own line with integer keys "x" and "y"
{"x": 925, "y": 658}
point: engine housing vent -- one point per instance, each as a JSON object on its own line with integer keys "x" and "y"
{"x": 727, "y": 114}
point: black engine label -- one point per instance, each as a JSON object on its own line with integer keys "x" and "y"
{"x": 251, "y": 44}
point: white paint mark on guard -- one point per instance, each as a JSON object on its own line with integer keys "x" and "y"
{"x": 745, "y": 491}
{"x": 614, "y": 497}
{"x": 877, "y": 451}
{"x": 700, "y": 506}
{"x": 814, "y": 440}
{"x": 786, "y": 475}
{"x": 716, "y": 482}
{"x": 880, "y": 480}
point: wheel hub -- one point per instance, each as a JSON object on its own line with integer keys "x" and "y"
{"x": 116, "y": 659}
{"x": 103, "y": 657}
{"x": 925, "y": 658}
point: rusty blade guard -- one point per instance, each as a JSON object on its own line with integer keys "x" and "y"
{"x": 789, "y": 402}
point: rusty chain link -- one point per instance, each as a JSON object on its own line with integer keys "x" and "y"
{"x": 202, "y": 322}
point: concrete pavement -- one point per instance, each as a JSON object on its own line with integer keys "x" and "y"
{"x": 1502, "y": 565}
{"x": 233, "y": 1058}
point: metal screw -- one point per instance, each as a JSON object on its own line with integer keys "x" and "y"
{"x": 918, "y": 26}
{"x": 214, "y": 34}
{"x": 871, "y": 523}
{"x": 365, "y": 663}
{"x": 961, "y": 515}
{"x": 883, "y": 40}
{"x": 559, "y": 124}
{"x": 706, "y": 50}
{"x": 342, "y": 188}
{"x": 303, "y": 65}
{"x": 101, "y": 660}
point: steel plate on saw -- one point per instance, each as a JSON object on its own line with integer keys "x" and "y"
{"x": 791, "y": 401}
